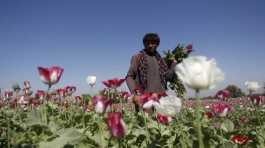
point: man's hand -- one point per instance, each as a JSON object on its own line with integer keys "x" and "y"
{"x": 136, "y": 99}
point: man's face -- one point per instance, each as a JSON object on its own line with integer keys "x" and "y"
{"x": 151, "y": 47}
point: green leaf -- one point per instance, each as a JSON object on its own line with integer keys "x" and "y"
{"x": 227, "y": 125}
{"x": 66, "y": 136}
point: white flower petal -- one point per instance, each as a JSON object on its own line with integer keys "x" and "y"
{"x": 169, "y": 105}
{"x": 149, "y": 104}
{"x": 199, "y": 73}
{"x": 252, "y": 85}
{"x": 99, "y": 108}
{"x": 91, "y": 80}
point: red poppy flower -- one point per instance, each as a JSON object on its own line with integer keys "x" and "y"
{"x": 147, "y": 97}
{"x": 257, "y": 100}
{"x": 124, "y": 94}
{"x": 239, "y": 139}
{"x": 35, "y": 102}
{"x": 113, "y": 83}
{"x": 223, "y": 95}
{"x": 40, "y": 94}
{"x": 70, "y": 90}
{"x": 8, "y": 94}
{"x": 163, "y": 119}
{"x": 61, "y": 92}
{"x": 209, "y": 114}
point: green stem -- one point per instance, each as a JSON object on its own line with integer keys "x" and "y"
{"x": 101, "y": 131}
{"x": 8, "y": 131}
{"x": 146, "y": 128}
{"x": 198, "y": 120}
{"x": 84, "y": 123}
{"x": 120, "y": 144}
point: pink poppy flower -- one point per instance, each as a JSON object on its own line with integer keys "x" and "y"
{"x": 101, "y": 103}
{"x": 50, "y": 75}
{"x": 116, "y": 124}
{"x": 220, "y": 109}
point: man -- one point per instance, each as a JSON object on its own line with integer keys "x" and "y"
{"x": 148, "y": 71}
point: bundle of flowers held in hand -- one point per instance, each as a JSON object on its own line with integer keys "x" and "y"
{"x": 178, "y": 54}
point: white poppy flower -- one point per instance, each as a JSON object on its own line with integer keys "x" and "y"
{"x": 150, "y": 104}
{"x": 91, "y": 80}
{"x": 99, "y": 108}
{"x": 252, "y": 85}
{"x": 199, "y": 73}
{"x": 169, "y": 105}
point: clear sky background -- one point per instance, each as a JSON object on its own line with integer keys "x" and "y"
{"x": 96, "y": 37}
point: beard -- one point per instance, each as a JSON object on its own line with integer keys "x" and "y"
{"x": 150, "y": 51}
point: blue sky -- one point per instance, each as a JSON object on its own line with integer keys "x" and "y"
{"x": 99, "y": 37}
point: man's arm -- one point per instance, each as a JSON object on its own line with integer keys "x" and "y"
{"x": 170, "y": 75}
{"x": 131, "y": 75}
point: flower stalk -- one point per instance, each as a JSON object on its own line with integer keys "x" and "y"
{"x": 198, "y": 120}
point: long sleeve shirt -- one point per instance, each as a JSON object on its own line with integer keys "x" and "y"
{"x": 153, "y": 77}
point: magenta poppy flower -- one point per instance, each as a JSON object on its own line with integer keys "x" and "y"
{"x": 239, "y": 139}
{"x": 220, "y": 109}
{"x": 101, "y": 103}
{"x": 113, "y": 83}
{"x": 223, "y": 95}
{"x": 116, "y": 124}
{"x": 163, "y": 119}
{"x": 50, "y": 75}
